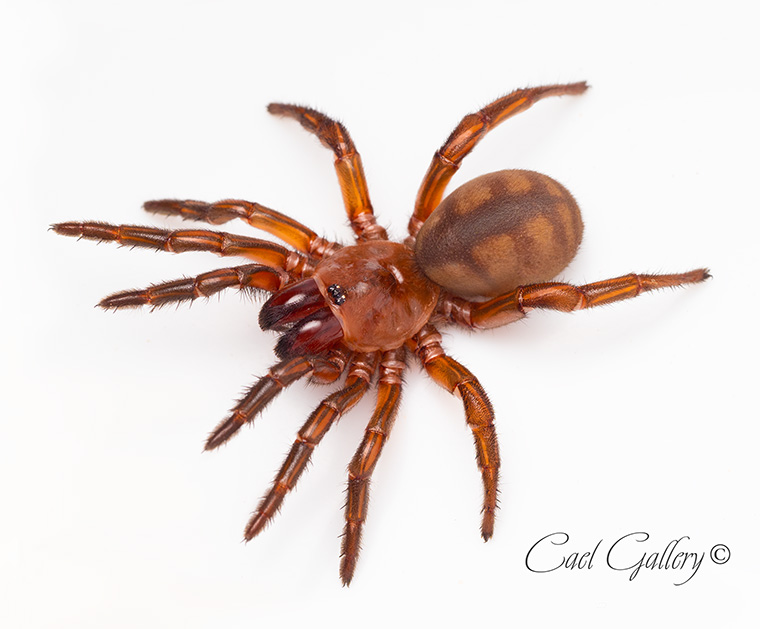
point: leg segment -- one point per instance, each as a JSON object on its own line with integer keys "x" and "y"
{"x": 348, "y": 164}
{"x": 283, "y": 227}
{"x": 179, "y": 241}
{"x": 248, "y": 276}
{"x": 467, "y": 134}
{"x": 362, "y": 465}
{"x": 564, "y": 297}
{"x": 458, "y": 380}
{"x": 281, "y": 375}
{"x": 326, "y": 414}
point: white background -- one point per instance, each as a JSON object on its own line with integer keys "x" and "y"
{"x": 637, "y": 417}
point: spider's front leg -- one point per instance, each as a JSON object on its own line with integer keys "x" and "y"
{"x": 181, "y": 240}
{"x": 248, "y": 276}
{"x": 283, "y": 265}
{"x": 283, "y": 374}
{"x": 457, "y": 379}
{"x": 271, "y": 221}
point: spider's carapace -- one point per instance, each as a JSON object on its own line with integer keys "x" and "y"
{"x": 373, "y": 298}
{"x": 481, "y": 258}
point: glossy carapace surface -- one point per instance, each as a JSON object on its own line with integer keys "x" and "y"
{"x": 498, "y": 232}
{"x": 387, "y": 299}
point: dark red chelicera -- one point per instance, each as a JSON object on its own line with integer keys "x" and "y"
{"x": 481, "y": 258}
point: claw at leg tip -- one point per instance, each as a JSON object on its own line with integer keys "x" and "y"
{"x": 209, "y": 445}
{"x": 254, "y": 527}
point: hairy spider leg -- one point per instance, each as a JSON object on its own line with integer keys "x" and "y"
{"x": 247, "y": 276}
{"x": 179, "y": 241}
{"x": 320, "y": 370}
{"x": 457, "y": 379}
{"x": 326, "y": 414}
{"x": 271, "y": 221}
{"x": 348, "y": 165}
{"x": 363, "y": 464}
{"x": 564, "y": 297}
{"x": 471, "y": 130}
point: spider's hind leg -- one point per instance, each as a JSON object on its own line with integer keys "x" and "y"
{"x": 564, "y": 297}
{"x": 471, "y": 130}
{"x": 458, "y": 380}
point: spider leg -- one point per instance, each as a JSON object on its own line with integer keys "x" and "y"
{"x": 266, "y": 388}
{"x": 557, "y": 296}
{"x": 204, "y": 285}
{"x": 457, "y": 379}
{"x": 348, "y": 164}
{"x": 467, "y": 134}
{"x": 275, "y": 223}
{"x": 178, "y": 241}
{"x": 362, "y": 465}
{"x": 326, "y": 414}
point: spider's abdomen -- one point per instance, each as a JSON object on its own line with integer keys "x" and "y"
{"x": 500, "y": 231}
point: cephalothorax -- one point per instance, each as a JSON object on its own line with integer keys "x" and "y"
{"x": 481, "y": 258}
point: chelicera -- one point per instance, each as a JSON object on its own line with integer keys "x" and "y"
{"x": 481, "y": 258}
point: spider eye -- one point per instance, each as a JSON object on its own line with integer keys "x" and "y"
{"x": 337, "y": 294}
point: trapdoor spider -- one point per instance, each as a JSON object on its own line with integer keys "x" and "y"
{"x": 481, "y": 258}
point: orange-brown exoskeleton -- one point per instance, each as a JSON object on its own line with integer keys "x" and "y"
{"x": 481, "y": 258}
{"x": 499, "y": 231}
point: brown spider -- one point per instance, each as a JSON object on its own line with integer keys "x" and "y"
{"x": 481, "y": 258}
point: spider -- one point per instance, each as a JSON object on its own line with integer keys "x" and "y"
{"x": 481, "y": 258}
